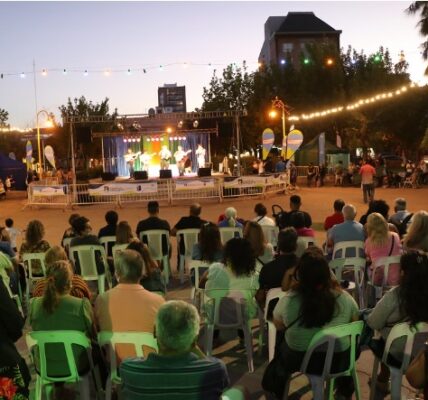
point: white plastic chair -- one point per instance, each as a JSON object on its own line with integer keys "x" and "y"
{"x": 271, "y": 234}
{"x": 410, "y": 349}
{"x": 348, "y": 248}
{"x": 230, "y": 232}
{"x": 66, "y": 244}
{"x": 196, "y": 293}
{"x": 86, "y": 254}
{"x": 357, "y": 265}
{"x": 303, "y": 242}
{"x": 329, "y": 336}
{"x": 28, "y": 260}
{"x": 188, "y": 237}
{"x": 153, "y": 238}
{"x": 383, "y": 264}
{"x": 118, "y": 247}
{"x": 111, "y": 339}
{"x": 107, "y": 241}
{"x": 228, "y": 311}
{"x": 272, "y": 294}
{"x": 69, "y": 339}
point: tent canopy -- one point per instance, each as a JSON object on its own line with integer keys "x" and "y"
{"x": 15, "y": 168}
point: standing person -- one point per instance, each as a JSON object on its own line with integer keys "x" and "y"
{"x": 280, "y": 165}
{"x": 367, "y": 173}
{"x": 311, "y": 173}
{"x": 322, "y": 172}
{"x": 338, "y": 174}
{"x": 200, "y": 154}
{"x": 130, "y": 159}
{"x": 293, "y": 174}
{"x": 179, "y": 159}
{"x": 145, "y": 160}
{"x": 165, "y": 156}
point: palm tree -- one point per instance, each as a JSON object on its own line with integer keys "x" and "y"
{"x": 3, "y": 116}
{"x": 421, "y": 8}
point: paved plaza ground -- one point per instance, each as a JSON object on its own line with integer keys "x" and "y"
{"x": 317, "y": 201}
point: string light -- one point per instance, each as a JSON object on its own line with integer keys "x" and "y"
{"x": 22, "y": 75}
{"x": 329, "y": 61}
{"x": 306, "y": 61}
{"x": 64, "y": 71}
{"x": 355, "y": 105}
{"x": 44, "y": 72}
{"x": 282, "y": 62}
{"x": 85, "y": 73}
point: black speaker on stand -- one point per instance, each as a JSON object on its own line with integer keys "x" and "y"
{"x": 165, "y": 174}
{"x": 140, "y": 175}
{"x": 204, "y": 172}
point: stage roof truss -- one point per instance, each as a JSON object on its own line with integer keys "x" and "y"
{"x": 152, "y": 132}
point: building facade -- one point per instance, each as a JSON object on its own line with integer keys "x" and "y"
{"x": 171, "y": 98}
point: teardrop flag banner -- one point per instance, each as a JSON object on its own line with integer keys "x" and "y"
{"x": 268, "y": 138}
{"x": 294, "y": 141}
{"x": 49, "y": 154}
{"x": 29, "y": 154}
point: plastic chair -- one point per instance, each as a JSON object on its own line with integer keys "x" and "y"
{"x": 111, "y": 339}
{"x": 118, "y": 247}
{"x": 87, "y": 256}
{"x": 153, "y": 239}
{"x": 410, "y": 349}
{"x": 383, "y": 264}
{"x": 303, "y": 242}
{"x": 233, "y": 394}
{"x": 355, "y": 264}
{"x": 237, "y": 315}
{"x": 230, "y": 232}
{"x": 272, "y": 294}
{"x": 349, "y": 248}
{"x": 196, "y": 293}
{"x": 28, "y": 260}
{"x": 188, "y": 237}
{"x": 271, "y": 234}
{"x": 66, "y": 242}
{"x": 108, "y": 242}
{"x": 329, "y": 336}
{"x": 69, "y": 339}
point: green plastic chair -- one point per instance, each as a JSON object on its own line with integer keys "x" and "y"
{"x": 111, "y": 339}
{"x": 69, "y": 339}
{"x": 196, "y": 293}
{"x": 329, "y": 336}
{"x": 188, "y": 237}
{"x": 108, "y": 242}
{"x": 233, "y": 394}
{"x": 227, "y": 233}
{"x": 28, "y": 260}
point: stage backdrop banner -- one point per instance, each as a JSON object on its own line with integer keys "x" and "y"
{"x": 122, "y": 189}
{"x": 194, "y": 184}
{"x": 48, "y": 191}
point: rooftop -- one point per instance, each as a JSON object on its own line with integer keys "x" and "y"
{"x": 304, "y": 22}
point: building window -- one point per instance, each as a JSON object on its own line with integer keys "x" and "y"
{"x": 287, "y": 48}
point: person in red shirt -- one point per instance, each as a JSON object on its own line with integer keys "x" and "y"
{"x": 336, "y": 217}
{"x": 367, "y": 173}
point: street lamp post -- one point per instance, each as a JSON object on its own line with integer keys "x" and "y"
{"x": 38, "y": 136}
{"x": 285, "y": 110}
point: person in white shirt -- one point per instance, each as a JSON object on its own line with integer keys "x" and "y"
{"x": 200, "y": 154}
{"x": 165, "y": 156}
{"x": 145, "y": 160}
{"x": 13, "y": 233}
{"x": 262, "y": 218}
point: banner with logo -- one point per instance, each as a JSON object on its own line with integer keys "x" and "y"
{"x": 29, "y": 154}
{"x": 49, "y": 155}
{"x": 247, "y": 181}
{"x": 122, "y": 189}
{"x": 48, "y": 191}
{"x": 268, "y": 138}
{"x": 194, "y": 184}
{"x": 294, "y": 141}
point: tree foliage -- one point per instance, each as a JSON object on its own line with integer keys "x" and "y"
{"x": 4, "y": 115}
{"x": 421, "y": 8}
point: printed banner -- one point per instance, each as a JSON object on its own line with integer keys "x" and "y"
{"x": 122, "y": 189}
{"x": 194, "y": 184}
{"x": 49, "y": 154}
{"x": 29, "y": 154}
{"x": 321, "y": 147}
{"x": 268, "y": 138}
{"x": 48, "y": 191}
{"x": 247, "y": 181}
{"x": 294, "y": 140}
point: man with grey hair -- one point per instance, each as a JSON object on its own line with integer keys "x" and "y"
{"x": 128, "y": 307}
{"x": 400, "y": 212}
{"x": 180, "y": 370}
{"x": 348, "y": 230}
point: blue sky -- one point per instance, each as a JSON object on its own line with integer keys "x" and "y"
{"x": 113, "y": 35}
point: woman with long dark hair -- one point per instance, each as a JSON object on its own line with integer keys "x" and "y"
{"x": 315, "y": 301}
{"x": 209, "y": 248}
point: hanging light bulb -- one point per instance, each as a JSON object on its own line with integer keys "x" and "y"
{"x": 128, "y": 71}
{"x": 64, "y": 71}
{"x": 44, "y": 72}
{"x": 85, "y": 73}
{"x": 22, "y": 75}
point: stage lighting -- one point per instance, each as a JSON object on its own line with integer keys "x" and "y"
{"x": 169, "y": 129}
{"x": 125, "y": 140}
{"x": 195, "y": 123}
{"x": 119, "y": 126}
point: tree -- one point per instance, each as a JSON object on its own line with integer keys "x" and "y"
{"x": 4, "y": 115}
{"x": 421, "y": 8}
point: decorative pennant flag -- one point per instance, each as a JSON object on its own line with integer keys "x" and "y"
{"x": 49, "y": 154}
{"x": 268, "y": 138}
{"x": 321, "y": 148}
{"x": 29, "y": 154}
{"x": 294, "y": 140}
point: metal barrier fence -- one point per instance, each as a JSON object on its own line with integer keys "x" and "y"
{"x": 167, "y": 190}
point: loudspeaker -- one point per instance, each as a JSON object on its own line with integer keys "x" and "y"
{"x": 165, "y": 174}
{"x": 108, "y": 176}
{"x": 204, "y": 172}
{"x": 83, "y": 134}
{"x": 140, "y": 175}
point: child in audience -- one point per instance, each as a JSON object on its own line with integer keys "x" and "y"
{"x": 13, "y": 233}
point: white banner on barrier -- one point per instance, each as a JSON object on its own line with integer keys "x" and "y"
{"x": 194, "y": 184}
{"x": 45, "y": 191}
{"x": 121, "y": 189}
{"x": 247, "y": 181}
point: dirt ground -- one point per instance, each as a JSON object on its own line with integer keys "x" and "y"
{"x": 317, "y": 201}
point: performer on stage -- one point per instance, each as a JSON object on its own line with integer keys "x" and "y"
{"x": 180, "y": 159}
{"x": 200, "y": 154}
{"x": 165, "y": 156}
{"x": 130, "y": 159}
{"x": 145, "y": 160}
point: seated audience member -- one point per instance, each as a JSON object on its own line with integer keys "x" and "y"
{"x": 274, "y": 273}
{"x": 124, "y": 233}
{"x": 34, "y": 243}
{"x": 297, "y": 221}
{"x": 13, "y": 368}
{"x": 380, "y": 243}
{"x": 79, "y": 288}
{"x": 5, "y": 244}
{"x": 417, "y": 373}
{"x": 262, "y": 218}
{"x": 69, "y": 232}
{"x": 192, "y": 221}
{"x": 180, "y": 370}
{"x": 400, "y": 208}
{"x": 337, "y": 217}
{"x": 295, "y": 204}
{"x": 262, "y": 250}
{"x": 13, "y": 233}
{"x": 230, "y": 219}
{"x": 417, "y": 234}
{"x": 316, "y": 301}
{"x": 128, "y": 307}
{"x": 153, "y": 221}
{"x": 379, "y": 206}
{"x": 152, "y": 279}
{"x": 209, "y": 248}
{"x": 400, "y": 304}
{"x": 58, "y": 310}
{"x": 111, "y": 218}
